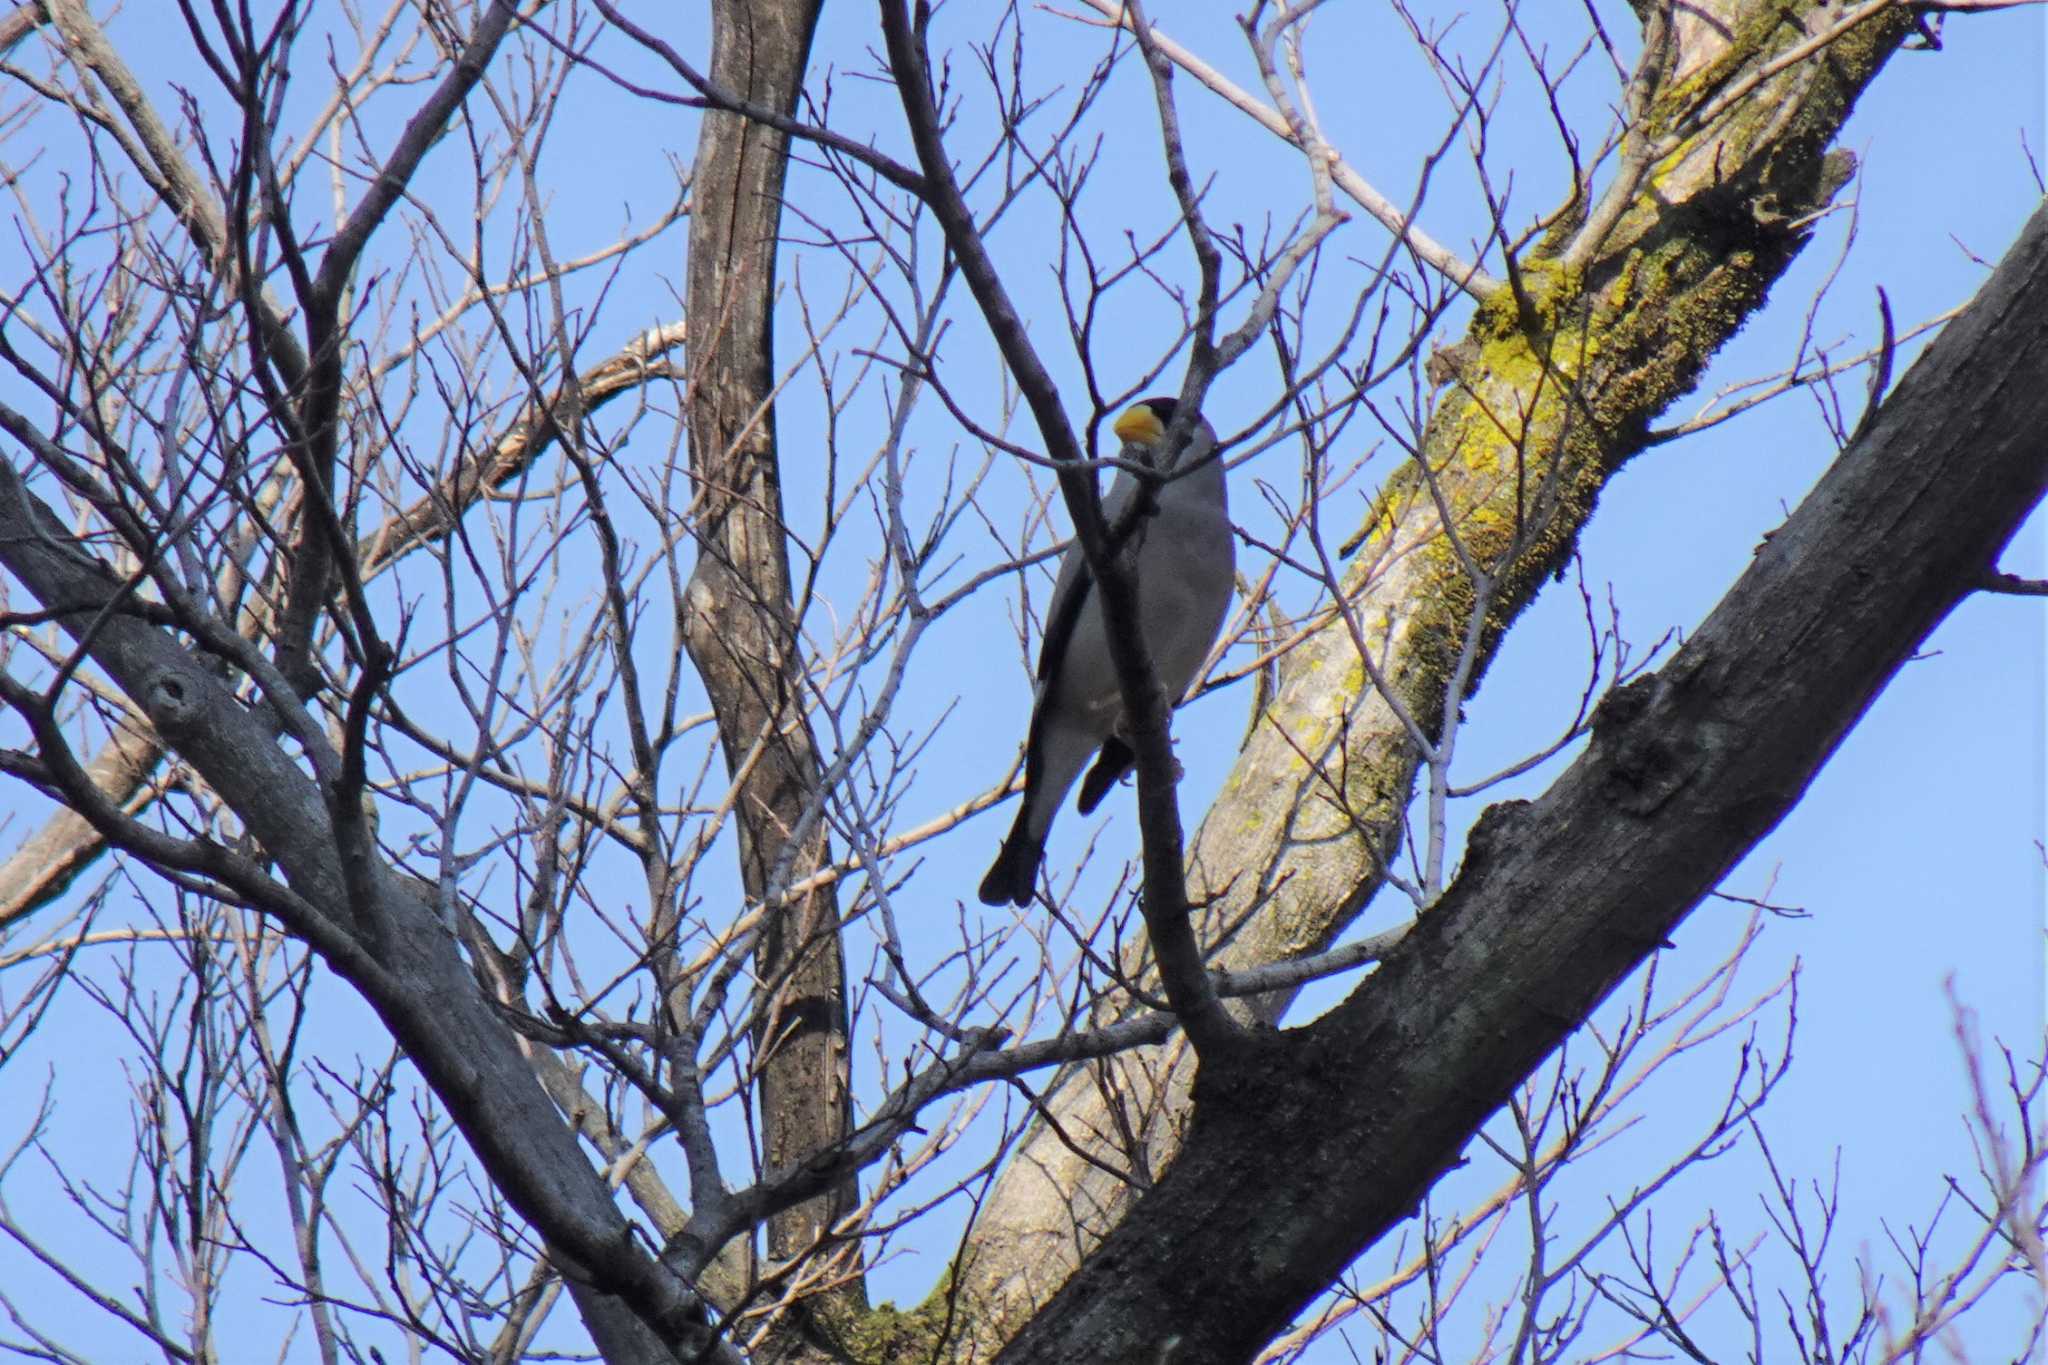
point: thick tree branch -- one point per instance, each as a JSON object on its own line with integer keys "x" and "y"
{"x": 739, "y": 619}
{"x": 1297, "y": 1166}
{"x": 406, "y": 967}
{"x": 2013, "y": 585}
{"x": 1565, "y": 378}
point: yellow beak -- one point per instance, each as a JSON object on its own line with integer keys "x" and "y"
{"x": 1139, "y": 426}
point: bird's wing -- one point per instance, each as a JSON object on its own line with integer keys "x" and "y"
{"x": 1074, "y": 586}
{"x": 1070, "y": 593}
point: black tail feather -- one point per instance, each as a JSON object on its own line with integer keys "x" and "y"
{"x": 1111, "y": 764}
{"x": 1013, "y": 877}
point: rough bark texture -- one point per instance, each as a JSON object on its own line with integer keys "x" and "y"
{"x": 1558, "y": 387}
{"x": 739, "y": 620}
{"x": 1316, "y": 1142}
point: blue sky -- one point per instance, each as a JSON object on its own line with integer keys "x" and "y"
{"x": 1915, "y": 852}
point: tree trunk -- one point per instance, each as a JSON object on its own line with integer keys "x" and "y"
{"x": 740, "y": 623}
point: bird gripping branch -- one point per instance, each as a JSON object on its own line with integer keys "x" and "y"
{"x": 1182, "y": 556}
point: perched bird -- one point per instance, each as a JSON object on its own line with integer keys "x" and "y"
{"x": 1183, "y": 558}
